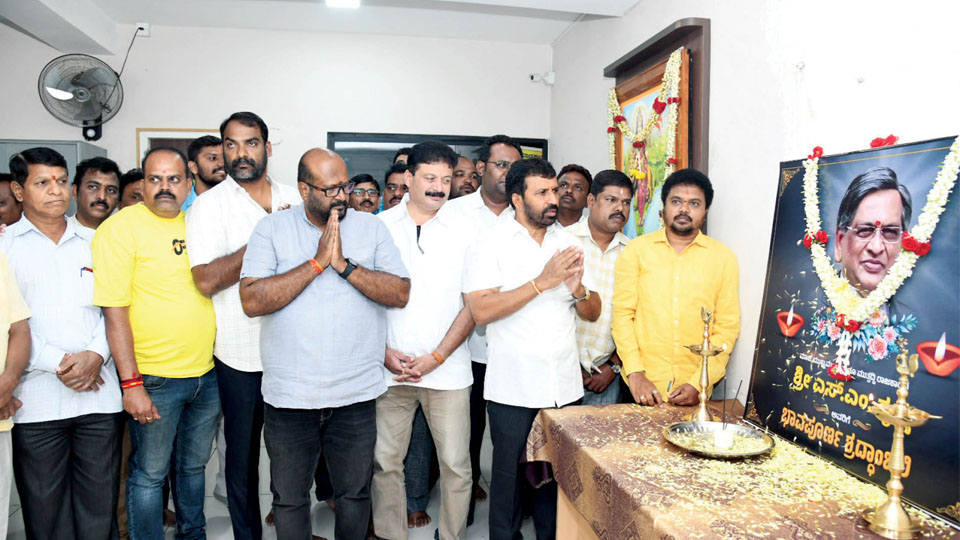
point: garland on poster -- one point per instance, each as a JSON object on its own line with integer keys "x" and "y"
{"x": 668, "y": 100}
{"x": 852, "y": 309}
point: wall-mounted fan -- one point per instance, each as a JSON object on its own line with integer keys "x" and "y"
{"x": 82, "y": 91}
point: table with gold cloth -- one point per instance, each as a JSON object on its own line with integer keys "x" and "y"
{"x": 618, "y": 478}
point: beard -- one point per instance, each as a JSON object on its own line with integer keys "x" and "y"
{"x": 682, "y": 229}
{"x": 540, "y": 218}
{"x": 323, "y": 214}
{"x": 212, "y": 180}
{"x": 255, "y": 171}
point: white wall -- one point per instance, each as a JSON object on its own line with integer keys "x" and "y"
{"x": 764, "y": 110}
{"x": 302, "y": 84}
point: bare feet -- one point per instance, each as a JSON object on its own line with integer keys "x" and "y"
{"x": 417, "y": 519}
{"x": 479, "y": 494}
{"x": 169, "y": 518}
{"x": 269, "y": 520}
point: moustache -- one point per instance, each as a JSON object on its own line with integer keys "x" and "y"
{"x": 242, "y": 161}
{"x": 617, "y": 215}
{"x": 435, "y": 194}
{"x": 100, "y": 203}
{"x": 219, "y": 170}
{"x": 548, "y": 208}
{"x": 164, "y": 195}
{"x": 338, "y": 204}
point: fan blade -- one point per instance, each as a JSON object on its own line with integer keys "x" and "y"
{"x": 90, "y": 110}
{"x": 99, "y": 76}
{"x": 56, "y": 93}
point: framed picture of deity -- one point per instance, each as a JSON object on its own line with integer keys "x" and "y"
{"x": 649, "y": 134}
{"x": 863, "y": 293}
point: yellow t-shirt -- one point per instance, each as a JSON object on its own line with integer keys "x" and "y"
{"x": 13, "y": 308}
{"x": 140, "y": 260}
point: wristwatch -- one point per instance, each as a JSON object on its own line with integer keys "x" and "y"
{"x": 347, "y": 270}
{"x": 586, "y": 296}
{"x": 614, "y": 367}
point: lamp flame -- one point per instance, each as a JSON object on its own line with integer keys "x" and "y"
{"x": 941, "y": 348}
{"x": 790, "y": 316}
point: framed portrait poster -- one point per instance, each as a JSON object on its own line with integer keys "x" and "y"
{"x": 816, "y": 372}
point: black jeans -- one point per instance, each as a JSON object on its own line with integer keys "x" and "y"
{"x": 242, "y": 406}
{"x": 509, "y": 427}
{"x": 478, "y": 419}
{"x": 67, "y": 474}
{"x": 294, "y": 439}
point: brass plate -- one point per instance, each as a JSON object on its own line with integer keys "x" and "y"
{"x": 671, "y": 432}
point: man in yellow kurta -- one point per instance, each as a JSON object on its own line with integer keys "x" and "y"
{"x": 662, "y": 280}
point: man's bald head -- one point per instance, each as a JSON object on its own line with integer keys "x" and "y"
{"x": 319, "y": 170}
{"x": 321, "y": 163}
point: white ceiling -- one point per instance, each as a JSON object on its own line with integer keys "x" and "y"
{"x": 526, "y": 21}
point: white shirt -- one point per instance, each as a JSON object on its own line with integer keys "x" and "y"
{"x": 219, "y": 223}
{"x": 56, "y": 280}
{"x": 532, "y": 358}
{"x": 76, "y": 223}
{"x": 483, "y": 220}
{"x": 434, "y": 259}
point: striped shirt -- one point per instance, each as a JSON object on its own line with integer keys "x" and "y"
{"x": 594, "y": 339}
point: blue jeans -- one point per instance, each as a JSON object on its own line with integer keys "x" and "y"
{"x": 295, "y": 438}
{"x": 608, "y": 397}
{"x": 188, "y": 409}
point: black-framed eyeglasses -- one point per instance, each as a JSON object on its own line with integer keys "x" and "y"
{"x": 502, "y": 164}
{"x": 865, "y": 233}
{"x": 333, "y": 191}
{"x": 360, "y": 192}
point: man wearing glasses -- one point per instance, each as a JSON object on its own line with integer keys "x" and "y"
{"x": 483, "y": 208}
{"x": 316, "y": 273}
{"x": 874, "y": 212}
{"x": 218, "y": 227}
{"x": 366, "y": 194}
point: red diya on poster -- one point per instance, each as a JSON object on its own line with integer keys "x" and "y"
{"x": 790, "y": 323}
{"x": 939, "y": 357}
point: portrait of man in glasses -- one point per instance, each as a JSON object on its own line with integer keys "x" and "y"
{"x": 874, "y": 212}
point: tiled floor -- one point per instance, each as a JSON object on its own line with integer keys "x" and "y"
{"x": 218, "y": 519}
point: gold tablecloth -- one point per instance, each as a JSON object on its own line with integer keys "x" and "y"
{"x": 616, "y": 470}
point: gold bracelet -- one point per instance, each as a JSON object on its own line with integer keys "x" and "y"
{"x": 536, "y": 288}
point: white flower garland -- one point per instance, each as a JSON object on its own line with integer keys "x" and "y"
{"x": 668, "y": 94}
{"x": 841, "y": 294}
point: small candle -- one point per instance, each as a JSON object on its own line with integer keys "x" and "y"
{"x": 790, "y": 316}
{"x": 723, "y": 439}
{"x": 941, "y": 348}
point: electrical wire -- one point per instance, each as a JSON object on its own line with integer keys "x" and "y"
{"x": 122, "y": 67}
